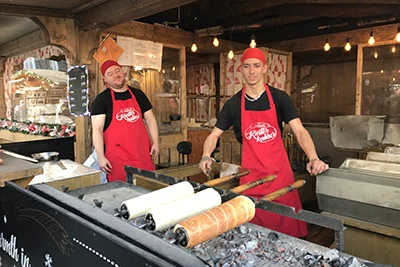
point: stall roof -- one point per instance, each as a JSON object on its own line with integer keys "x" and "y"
{"x": 270, "y": 21}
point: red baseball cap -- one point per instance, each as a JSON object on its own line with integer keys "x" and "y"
{"x": 107, "y": 64}
{"x": 253, "y": 53}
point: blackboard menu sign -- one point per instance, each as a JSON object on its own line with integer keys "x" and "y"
{"x": 78, "y": 91}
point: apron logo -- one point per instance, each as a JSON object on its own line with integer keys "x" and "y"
{"x": 128, "y": 114}
{"x": 262, "y": 132}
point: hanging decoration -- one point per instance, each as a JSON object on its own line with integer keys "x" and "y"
{"x": 51, "y": 130}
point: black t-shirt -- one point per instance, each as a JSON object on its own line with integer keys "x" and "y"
{"x": 103, "y": 103}
{"x": 231, "y": 111}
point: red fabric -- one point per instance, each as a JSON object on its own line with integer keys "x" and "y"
{"x": 253, "y": 53}
{"x": 126, "y": 139}
{"x": 263, "y": 153}
{"x": 107, "y": 64}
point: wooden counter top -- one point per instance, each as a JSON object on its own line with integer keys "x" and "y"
{"x": 14, "y": 169}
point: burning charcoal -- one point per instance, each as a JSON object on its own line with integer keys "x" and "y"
{"x": 335, "y": 263}
{"x": 98, "y": 204}
{"x": 250, "y": 245}
{"x": 273, "y": 236}
{"x": 243, "y": 229}
{"x": 352, "y": 262}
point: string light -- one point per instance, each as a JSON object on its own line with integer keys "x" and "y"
{"x": 381, "y": 71}
{"x": 327, "y": 46}
{"x": 173, "y": 68}
{"x": 194, "y": 47}
{"x": 347, "y": 47}
{"x": 371, "y": 39}
{"x": 376, "y": 54}
{"x": 393, "y": 49}
{"x": 398, "y": 35}
{"x": 216, "y": 42}
{"x": 253, "y": 43}
{"x": 231, "y": 55}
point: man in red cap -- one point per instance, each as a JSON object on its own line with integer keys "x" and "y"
{"x": 256, "y": 113}
{"x": 120, "y": 136}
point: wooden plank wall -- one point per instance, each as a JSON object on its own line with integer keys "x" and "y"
{"x": 334, "y": 92}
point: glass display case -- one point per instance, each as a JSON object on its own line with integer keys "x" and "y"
{"x": 39, "y": 93}
{"x": 381, "y": 82}
{"x": 164, "y": 90}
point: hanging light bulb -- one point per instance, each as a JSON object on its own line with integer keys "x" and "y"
{"x": 376, "y": 54}
{"x": 173, "y": 68}
{"x": 194, "y": 47}
{"x": 216, "y": 42}
{"x": 398, "y": 35}
{"x": 393, "y": 49}
{"x": 381, "y": 71}
{"x": 327, "y": 46}
{"x": 347, "y": 47}
{"x": 253, "y": 43}
{"x": 371, "y": 39}
{"x": 231, "y": 55}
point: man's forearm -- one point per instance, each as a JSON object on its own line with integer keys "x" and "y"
{"x": 209, "y": 145}
{"x": 306, "y": 143}
{"x": 153, "y": 131}
{"x": 98, "y": 142}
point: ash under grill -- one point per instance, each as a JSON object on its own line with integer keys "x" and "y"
{"x": 247, "y": 245}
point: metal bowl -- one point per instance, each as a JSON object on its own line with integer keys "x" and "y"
{"x": 45, "y": 156}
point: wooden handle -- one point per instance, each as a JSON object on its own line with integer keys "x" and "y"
{"x": 274, "y": 195}
{"x": 226, "y": 178}
{"x": 244, "y": 187}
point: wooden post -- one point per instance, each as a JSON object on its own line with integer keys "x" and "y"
{"x": 3, "y": 107}
{"x": 82, "y": 145}
{"x": 359, "y": 80}
{"x": 182, "y": 57}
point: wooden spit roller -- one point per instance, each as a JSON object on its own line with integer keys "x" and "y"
{"x": 169, "y": 214}
{"x": 139, "y": 206}
{"x": 231, "y": 214}
{"x": 244, "y": 187}
{"x": 281, "y": 192}
{"x": 224, "y": 179}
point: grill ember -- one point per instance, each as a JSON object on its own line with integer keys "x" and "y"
{"x": 244, "y": 246}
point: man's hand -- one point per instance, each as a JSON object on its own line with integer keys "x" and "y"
{"x": 205, "y": 165}
{"x": 317, "y": 166}
{"x": 105, "y": 165}
{"x": 155, "y": 150}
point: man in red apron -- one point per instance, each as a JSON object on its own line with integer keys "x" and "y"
{"x": 256, "y": 113}
{"x": 120, "y": 136}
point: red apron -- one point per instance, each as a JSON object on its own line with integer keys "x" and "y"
{"x": 263, "y": 153}
{"x": 126, "y": 139}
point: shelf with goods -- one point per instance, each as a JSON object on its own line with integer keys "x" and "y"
{"x": 201, "y": 95}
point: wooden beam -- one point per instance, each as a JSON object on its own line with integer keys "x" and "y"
{"x": 29, "y": 11}
{"x": 26, "y": 43}
{"x": 361, "y": 36}
{"x": 328, "y": 10}
{"x": 280, "y": 21}
{"x": 163, "y": 34}
{"x": 359, "y": 77}
{"x": 197, "y": 59}
{"x": 119, "y": 11}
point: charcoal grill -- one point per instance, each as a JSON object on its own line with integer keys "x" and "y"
{"x": 97, "y": 205}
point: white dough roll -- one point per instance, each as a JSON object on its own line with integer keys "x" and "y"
{"x": 139, "y": 206}
{"x": 171, "y": 213}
